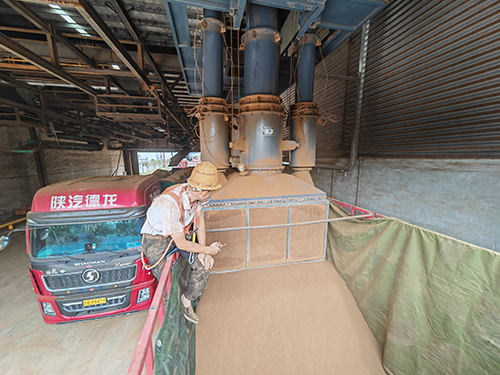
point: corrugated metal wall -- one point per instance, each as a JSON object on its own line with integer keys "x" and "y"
{"x": 431, "y": 88}
{"x": 336, "y": 98}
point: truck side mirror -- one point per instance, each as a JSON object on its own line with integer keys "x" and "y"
{"x": 4, "y": 242}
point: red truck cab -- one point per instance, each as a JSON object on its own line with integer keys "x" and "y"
{"x": 83, "y": 239}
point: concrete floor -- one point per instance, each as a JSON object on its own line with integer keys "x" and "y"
{"x": 294, "y": 319}
{"x": 29, "y": 346}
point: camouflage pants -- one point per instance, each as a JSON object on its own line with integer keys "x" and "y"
{"x": 154, "y": 247}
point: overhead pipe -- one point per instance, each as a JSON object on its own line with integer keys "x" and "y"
{"x": 213, "y": 113}
{"x": 306, "y": 62}
{"x": 260, "y": 111}
{"x": 359, "y": 98}
{"x": 261, "y": 44}
{"x": 212, "y": 27}
{"x": 304, "y": 114}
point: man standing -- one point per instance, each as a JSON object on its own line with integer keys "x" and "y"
{"x": 168, "y": 222}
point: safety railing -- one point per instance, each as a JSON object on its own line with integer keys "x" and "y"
{"x": 143, "y": 356}
{"x": 353, "y": 210}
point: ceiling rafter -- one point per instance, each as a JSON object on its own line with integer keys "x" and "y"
{"x": 18, "y": 50}
{"x": 86, "y": 70}
{"x": 52, "y": 32}
{"x": 88, "y": 12}
{"x": 66, "y": 118}
{"x": 122, "y": 13}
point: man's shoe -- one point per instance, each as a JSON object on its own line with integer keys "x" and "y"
{"x": 190, "y": 315}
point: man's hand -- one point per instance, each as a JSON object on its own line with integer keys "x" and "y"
{"x": 206, "y": 260}
{"x": 214, "y": 247}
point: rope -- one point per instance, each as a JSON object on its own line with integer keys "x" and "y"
{"x": 147, "y": 267}
{"x": 291, "y": 224}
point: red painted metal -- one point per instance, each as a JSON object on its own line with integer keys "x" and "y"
{"x": 353, "y": 210}
{"x": 142, "y": 281}
{"x": 143, "y": 355}
{"x": 84, "y": 194}
{"x": 93, "y": 193}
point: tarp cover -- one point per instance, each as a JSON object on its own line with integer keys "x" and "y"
{"x": 176, "y": 341}
{"x": 432, "y": 302}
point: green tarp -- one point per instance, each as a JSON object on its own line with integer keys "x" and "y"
{"x": 432, "y": 302}
{"x": 176, "y": 341}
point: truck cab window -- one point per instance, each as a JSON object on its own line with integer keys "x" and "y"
{"x": 76, "y": 239}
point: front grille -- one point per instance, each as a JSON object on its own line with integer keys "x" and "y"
{"x": 74, "y": 280}
{"x": 71, "y": 306}
{"x": 74, "y": 307}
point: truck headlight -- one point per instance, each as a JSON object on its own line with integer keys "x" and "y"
{"x": 143, "y": 295}
{"x": 47, "y": 309}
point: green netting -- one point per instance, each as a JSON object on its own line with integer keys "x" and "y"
{"x": 176, "y": 341}
{"x": 432, "y": 302}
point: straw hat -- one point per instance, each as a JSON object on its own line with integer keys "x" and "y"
{"x": 204, "y": 176}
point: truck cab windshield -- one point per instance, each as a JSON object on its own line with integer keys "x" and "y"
{"x": 76, "y": 239}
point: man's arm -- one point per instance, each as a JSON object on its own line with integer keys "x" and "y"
{"x": 193, "y": 247}
{"x": 199, "y": 223}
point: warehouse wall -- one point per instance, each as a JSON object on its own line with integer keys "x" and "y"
{"x": 18, "y": 175}
{"x": 430, "y": 117}
{"x": 66, "y": 165}
{"x": 455, "y": 197}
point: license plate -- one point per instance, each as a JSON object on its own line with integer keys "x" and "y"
{"x": 95, "y": 301}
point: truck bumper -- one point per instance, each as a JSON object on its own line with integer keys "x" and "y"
{"x": 85, "y": 306}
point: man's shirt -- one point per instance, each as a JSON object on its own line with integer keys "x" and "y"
{"x": 163, "y": 217}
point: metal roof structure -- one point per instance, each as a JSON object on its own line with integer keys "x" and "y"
{"x": 92, "y": 71}
{"x": 89, "y": 71}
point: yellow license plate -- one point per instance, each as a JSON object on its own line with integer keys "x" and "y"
{"x": 95, "y": 301}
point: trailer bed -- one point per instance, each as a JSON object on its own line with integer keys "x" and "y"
{"x": 293, "y": 319}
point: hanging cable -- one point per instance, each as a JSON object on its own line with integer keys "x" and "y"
{"x": 118, "y": 166}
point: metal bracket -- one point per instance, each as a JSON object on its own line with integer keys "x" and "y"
{"x": 236, "y": 9}
{"x": 240, "y": 145}
{"x": 289, "y": 145}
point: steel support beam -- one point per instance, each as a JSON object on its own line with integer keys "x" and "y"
{"x": 53, "y": 33}
{"x": 48, "y": 29}
{"x": 54, "y": 54}
{"x": 42, "y": 93}
{"x": 177, "y": 18}
{"x": 176, "y": 82}
{"x": 236, "y": 9}
{"x": 18, "y": 50}
{"x": 144, "y": 49}
{"x": 307, "y": 19}
{"x": 225, "y": 5}
{"x": 7, "y": 78}
{"x": 88, "y": 12}
{"x": 181, "y": 154}
{"x": 29, "y": 124}
{"x": 135, "y": 35}
{"x": 66, "y": 118}
{"x": 41, "y": 170}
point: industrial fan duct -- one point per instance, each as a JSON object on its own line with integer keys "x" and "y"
{"x": 258, "y": 194}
